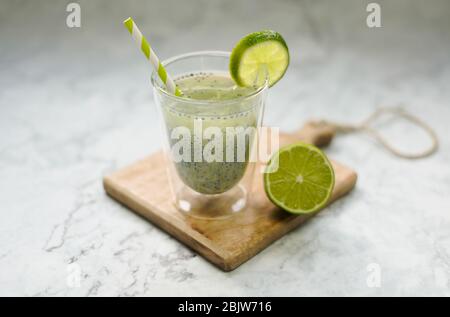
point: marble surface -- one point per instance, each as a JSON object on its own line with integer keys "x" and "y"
{"x": 76, "y": 104}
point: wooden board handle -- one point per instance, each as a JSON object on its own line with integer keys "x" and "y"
{"x": 317, "y": 133}
{"x": 313, "y": 132}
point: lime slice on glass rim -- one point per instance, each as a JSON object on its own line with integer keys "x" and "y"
{"x": 299, "y": 178}
{"x": 259, "y": 52}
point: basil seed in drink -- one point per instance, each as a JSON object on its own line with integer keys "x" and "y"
{"x": 232, "y": 121}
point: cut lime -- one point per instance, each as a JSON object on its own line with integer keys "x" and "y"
{"x": 299, "y": 178}
{"x": 257, "y": 56}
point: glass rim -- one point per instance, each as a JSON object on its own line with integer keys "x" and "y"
{"x": 177, "y": 58}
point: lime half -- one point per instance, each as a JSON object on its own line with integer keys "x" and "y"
{"x": 299, "y": 178}
{"x": 257, "y": 56}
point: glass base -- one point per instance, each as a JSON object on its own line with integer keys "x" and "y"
{"x": 219, "y": 206}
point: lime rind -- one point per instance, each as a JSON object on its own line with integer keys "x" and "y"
{"x": 253, "y": 52}
{"x": 299, "y": 178}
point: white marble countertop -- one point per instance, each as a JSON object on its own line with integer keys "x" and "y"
{"x": 76, "y": 104}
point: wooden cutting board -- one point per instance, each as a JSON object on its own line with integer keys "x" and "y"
{"x": 144, "y": 188}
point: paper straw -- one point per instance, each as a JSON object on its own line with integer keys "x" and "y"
{"x": 143, "y": 44}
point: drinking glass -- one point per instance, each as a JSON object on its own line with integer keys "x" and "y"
{"x": 207, "y": 181}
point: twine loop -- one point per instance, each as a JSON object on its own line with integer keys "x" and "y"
{"x": 367, "y": 127}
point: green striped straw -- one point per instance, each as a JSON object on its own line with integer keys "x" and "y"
{"x": 142, "y": 42}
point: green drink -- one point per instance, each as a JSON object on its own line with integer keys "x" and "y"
{"x": 209, "y": 179}
{"x": 210, "y": 134}
{"x": 240, "y": 118}
{"x": 211, "y": 86}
